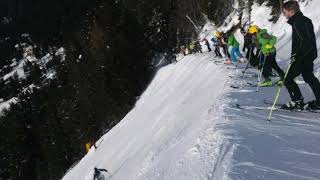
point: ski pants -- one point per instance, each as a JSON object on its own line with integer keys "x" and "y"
{"x": 305, "y": 68}
{"x": 253, "y": 59}
{"x": 217, "y": 51}
{"x": 270, "y": 64}
{"x": 208, "y": 46}
{"x": 235, "y": 52}
{"x": 225, "y": 50}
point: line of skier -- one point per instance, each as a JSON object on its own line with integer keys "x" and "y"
{"x": 304, "y": 52}
{"x": 259, "y": 47}
{"x": 220, "y": 41}
{"x": 260, "y": 52}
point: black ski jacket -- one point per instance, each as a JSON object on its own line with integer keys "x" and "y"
{"x": 303, "y": 38}
{"x": 247, "y": 42}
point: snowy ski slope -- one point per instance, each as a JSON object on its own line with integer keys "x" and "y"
{"x": 185, "y": 126}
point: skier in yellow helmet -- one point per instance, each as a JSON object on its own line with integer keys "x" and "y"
{"x": 222, "y": 41}
{"x": 266, "y": 42}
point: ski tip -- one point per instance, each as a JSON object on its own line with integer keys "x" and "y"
{"x": 235, "y": 87}
{"x": 268, "y": 120}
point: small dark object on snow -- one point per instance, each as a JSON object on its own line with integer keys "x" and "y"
{"x": 98, "y": 175}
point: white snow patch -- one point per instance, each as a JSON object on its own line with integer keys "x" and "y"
{"x": 17, "y": 70}
{"x": 6, "y": 105}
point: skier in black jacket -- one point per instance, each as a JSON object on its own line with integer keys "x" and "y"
{"x": 249, "y": 46}
{"x": 304, "y": 52}
{"x": 247, "y": 42}
{"x": 98, "y": 174}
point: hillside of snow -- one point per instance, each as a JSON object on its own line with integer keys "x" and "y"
{"x": 186, "y": 125}
{"x": 16, "y": 78}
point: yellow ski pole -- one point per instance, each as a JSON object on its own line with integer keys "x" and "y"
{"x": 278, "y": 94}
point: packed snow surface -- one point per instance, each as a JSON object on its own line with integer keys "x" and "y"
{"x": 186, "y": 126}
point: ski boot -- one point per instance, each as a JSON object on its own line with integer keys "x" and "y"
{"x": 313, "y": 105}
{"x": 280, "y": 83}
{"x": 242, "y": 60}
{"x": 228, "y": 62}
{"x": 266, "y": 83}
{"x": 294, "y": 105}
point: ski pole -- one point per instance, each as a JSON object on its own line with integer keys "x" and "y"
{"x": 243, "y": 72}
{"x": 278, "y": 94}
{"x": 260, "y": 74}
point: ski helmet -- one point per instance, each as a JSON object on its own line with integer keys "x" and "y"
{"x": 254, "y": 29}
{"x": 217, "y": 34}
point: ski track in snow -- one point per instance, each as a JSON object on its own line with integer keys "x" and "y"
{"x": 286, "y": 148}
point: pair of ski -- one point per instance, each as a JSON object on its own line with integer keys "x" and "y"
{"x": 250, "y": 84}
{"x": 278, "y": 107}
{"x": 247, "y": 76}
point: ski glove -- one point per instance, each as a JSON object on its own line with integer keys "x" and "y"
{"x": 268, "y": 46}
{"x": 293, "y": 58}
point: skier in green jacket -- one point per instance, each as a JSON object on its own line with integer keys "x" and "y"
{"x": 235, "y": 52}
{"x": 268, "y": 55}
